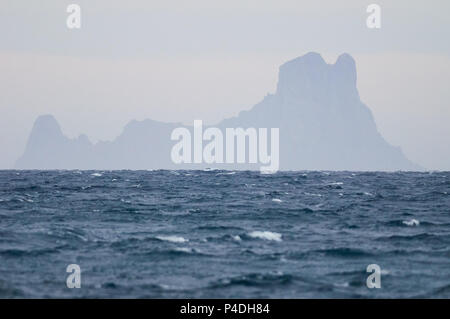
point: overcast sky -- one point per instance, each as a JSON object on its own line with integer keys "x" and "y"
{"x": 185, "y": 60}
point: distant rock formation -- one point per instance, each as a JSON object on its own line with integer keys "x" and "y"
{"x": 323, "y": 126}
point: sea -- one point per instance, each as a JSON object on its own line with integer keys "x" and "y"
{"x": 224, "y": 234}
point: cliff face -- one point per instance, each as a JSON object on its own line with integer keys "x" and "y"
{"x": 323, "y": 123}
{"x": 323, "y": 126}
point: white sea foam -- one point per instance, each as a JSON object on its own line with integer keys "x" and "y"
{"x": 412, "y": 222}
{"x": 342, "y": 285}
{"x": 313, "y": 194}
{"x": 172, "y": 239}
{"x": 336, "y": 183}
{"x": 267, "y": 235}
{"x": 227, "y": 173}
{"x": 237, "y": 238}
{"x": 267, "y": 172}
{"x": 277, "y": 200}
{"x": 96, "y": 174}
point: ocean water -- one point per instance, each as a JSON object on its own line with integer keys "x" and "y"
{"x": 221, "y": 234}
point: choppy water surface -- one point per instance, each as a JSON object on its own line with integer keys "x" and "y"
{"x": 224, "y": 234}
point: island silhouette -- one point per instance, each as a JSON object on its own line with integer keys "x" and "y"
{"x": 322, "y": 122}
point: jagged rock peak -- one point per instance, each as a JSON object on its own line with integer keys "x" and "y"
{"x": 310, "y": 76}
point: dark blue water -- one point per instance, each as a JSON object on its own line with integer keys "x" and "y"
{"x": 189, "y": 234}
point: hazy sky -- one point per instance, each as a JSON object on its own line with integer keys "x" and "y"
{"x": 185, "y": 60}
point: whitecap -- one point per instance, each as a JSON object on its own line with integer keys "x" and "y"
{"x": 96, "y": 174}
{"x": 342, "y": 285}
{"x": 237, "y": 238}
{"x": 172, "y": 239}
{"x": 277, "y": 200}
{"x": 227, "y": 173}
{"x": 313, "y": 194}
{"x": 267, "y": 235}
{"x": 412, "y": 222}
{"x": 268, "y": 172}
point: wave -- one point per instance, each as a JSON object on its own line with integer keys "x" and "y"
{"x": 344, "y": 252}
{"x": 30, "y": 253}
{"x": 254, "y": 279}
{"x": 423, "y": 237}
{"x": 172, "y": 239}
{"x": 412, "y": 222}
{"x": 218, "y": 227}
{"x": 267, "y": 235}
